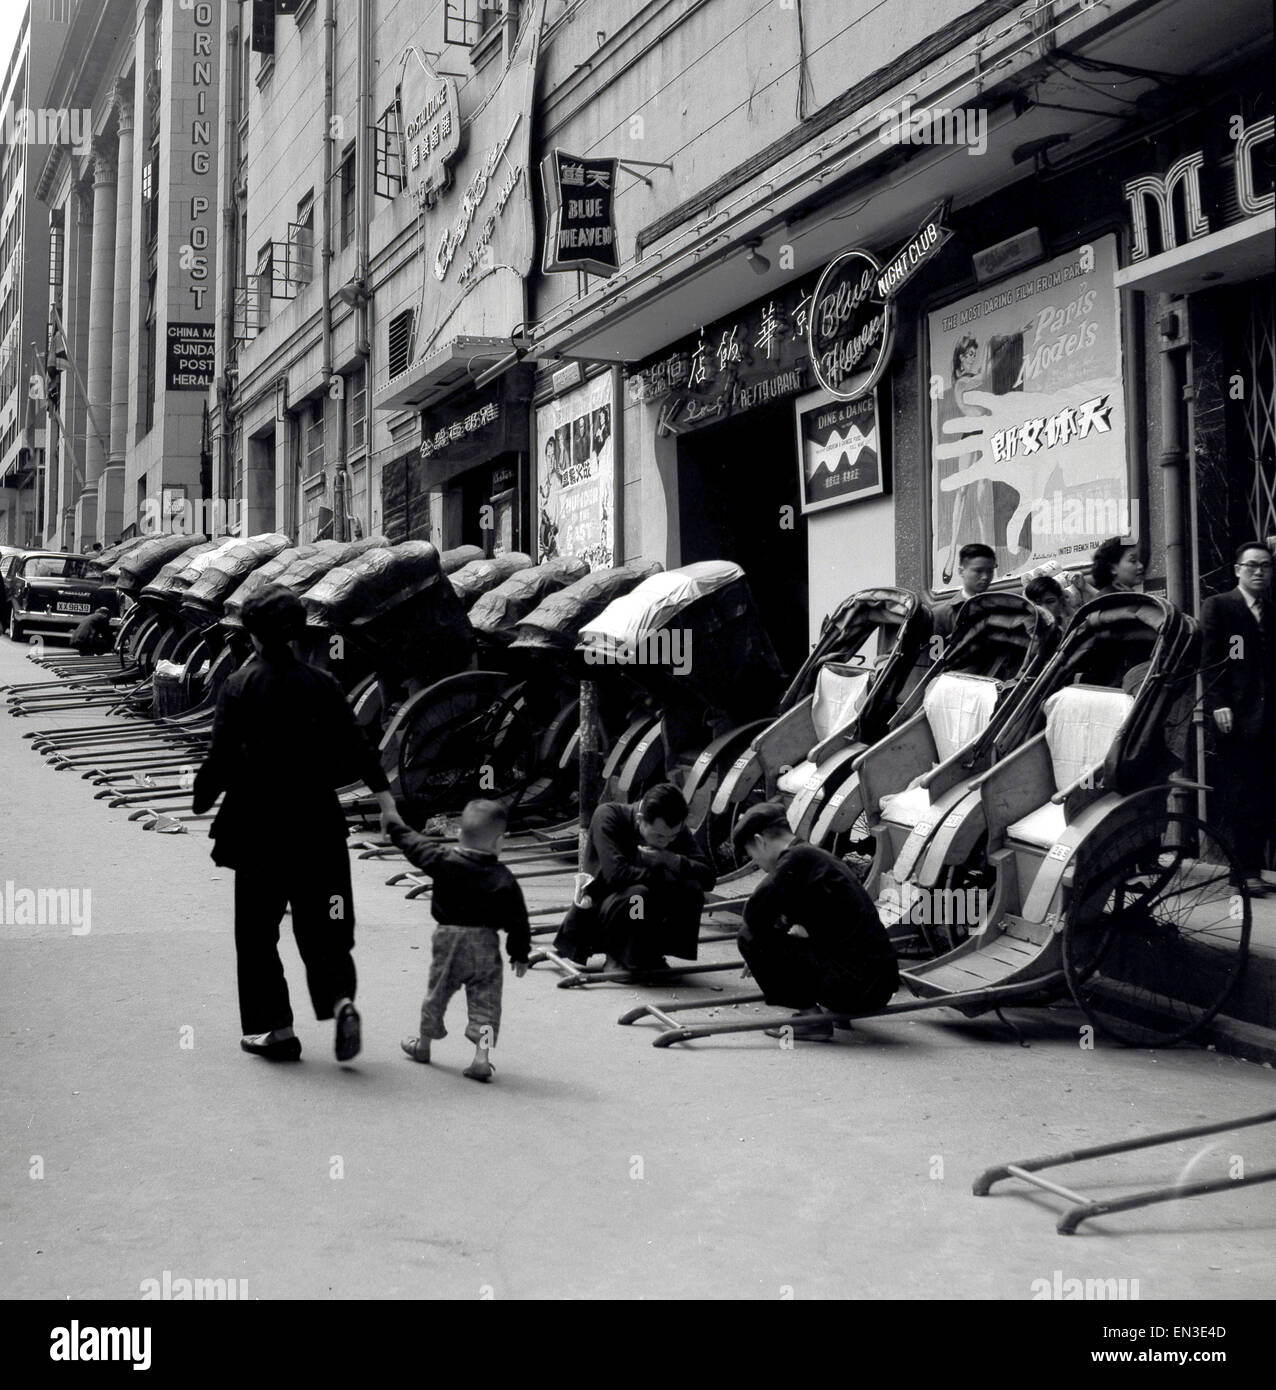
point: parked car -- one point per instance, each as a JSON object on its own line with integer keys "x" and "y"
{"x": 53, "y": 591}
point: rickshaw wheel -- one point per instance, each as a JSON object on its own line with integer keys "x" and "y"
{"x": 719, "y": 829}
{"x": 1156, "y": 936}
{"x": 444, "y": 749}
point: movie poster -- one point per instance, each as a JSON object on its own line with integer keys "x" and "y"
{"x": 1027, "y": 438}
{"x": 576, "y": 477}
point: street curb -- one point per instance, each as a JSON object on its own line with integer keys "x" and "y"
{"x": 1237, "y": 1038}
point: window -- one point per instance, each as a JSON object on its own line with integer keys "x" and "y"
{"x": 388, "y": 154}
{"x": 314, "y": 439}
{"x": 150, "y": 368}
{"x": 348, "y": 198}
{"x": 399, "y": 342}
{"x": 57, "y": 255}
{"x": 265, "y": 276}
{"x": 356, "y": 388}
{"x": 301, "y": 243}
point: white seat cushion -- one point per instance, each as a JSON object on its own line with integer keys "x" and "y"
{"x": 906, "y": 807}
{"x": 1081, "y": 723}
{"x": 795, "y": 779}
{"x": 839, "y": 693}
{"x": 958, "y": 709}
{"x": 1041, "y": 827}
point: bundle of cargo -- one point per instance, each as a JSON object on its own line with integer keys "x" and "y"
{"x": 477, "y": 578}
{"x": 134, "y": 571}
{"x": 495, "y": 615}
{"x": 397, "y": 606}
{"x": 225, "y": 570}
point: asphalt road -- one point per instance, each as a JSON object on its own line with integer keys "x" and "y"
{"x": 137, "y": 1139}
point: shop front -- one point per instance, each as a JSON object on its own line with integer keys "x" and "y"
{"x": 467, "y": 481}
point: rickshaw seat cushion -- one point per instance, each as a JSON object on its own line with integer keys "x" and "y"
{"x": 839, "y": 693}
{"x": 958, "y": 709}
{"x": 796, "y": 778}
{"x": 1082, "y": 721}
{"x": 1042, "y": 827}
{"x": 906, "y": 807}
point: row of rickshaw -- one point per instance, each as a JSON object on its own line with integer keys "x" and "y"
{"x": 1011, "y": 796}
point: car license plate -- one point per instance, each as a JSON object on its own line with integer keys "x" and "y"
{"x": 73, "y": 607}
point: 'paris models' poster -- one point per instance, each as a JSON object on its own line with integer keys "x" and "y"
{"x": 1028, "y": 443}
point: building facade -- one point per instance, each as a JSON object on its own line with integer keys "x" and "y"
{"x": 829, "y": 290}
{"x": 131, "y": 307}
{"x": 28, "y": 248}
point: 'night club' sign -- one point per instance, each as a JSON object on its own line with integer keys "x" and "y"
{"x": 852, "y": 322}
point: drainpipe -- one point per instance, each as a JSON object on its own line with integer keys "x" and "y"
{"x": 1173, "y": 388}
{"x": 329, "y": 111}
{"x": 363, "y": 309}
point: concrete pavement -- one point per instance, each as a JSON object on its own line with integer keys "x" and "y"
{"x": 138, "y": 1140}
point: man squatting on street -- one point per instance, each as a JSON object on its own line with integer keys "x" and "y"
{"x": 811, "y": 936}
{"x": 283, "y": 741}
{"x": 474, "y": 897}
{"x": 648, "y": 886}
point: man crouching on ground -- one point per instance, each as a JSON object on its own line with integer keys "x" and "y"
{"x": 811, "y": 936}
{"x": 474, "y": 897}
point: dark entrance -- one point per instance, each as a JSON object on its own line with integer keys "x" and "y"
{"x": 738, "y": 500}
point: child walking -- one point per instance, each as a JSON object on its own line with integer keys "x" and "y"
{"x": 475, "y": 896}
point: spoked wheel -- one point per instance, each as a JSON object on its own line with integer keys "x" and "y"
{"x": 444, "y": 751}
{"x": 1157, "y": 935}
{"x": 719, "y": 828}
{"x": 854, "y": 846}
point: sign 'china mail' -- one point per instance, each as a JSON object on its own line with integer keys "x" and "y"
{"x": 580, "y": 222}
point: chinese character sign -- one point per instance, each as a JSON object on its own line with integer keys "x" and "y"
{"x": 1028, "y": 443}
{"x": 580, "y": 224}
{"x": 576, "y": 514}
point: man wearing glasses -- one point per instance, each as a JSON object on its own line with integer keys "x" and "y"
{"x": 1240, "y": 693}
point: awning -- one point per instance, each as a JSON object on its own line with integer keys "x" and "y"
{"x": 1242, "y": 251}
{"x": 447, "y": 369}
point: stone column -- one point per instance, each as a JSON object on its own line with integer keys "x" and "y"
{"x": 111, "y": 484}
{"x": 101, "y": 325}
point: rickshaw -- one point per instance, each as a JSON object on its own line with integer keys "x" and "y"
{"x": 1105, "y": 887}
{"x": 689, "y": 646}
{"x": 941, "y": 735}
{"x": 870, "y": 653}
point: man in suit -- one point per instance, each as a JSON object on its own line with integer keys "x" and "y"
{"x": 648, "y": 886}
{"x": 1239, "y": 660}
{"x": 976, "y": 566}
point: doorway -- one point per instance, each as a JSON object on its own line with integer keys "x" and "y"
{"x": 739, "y": 500}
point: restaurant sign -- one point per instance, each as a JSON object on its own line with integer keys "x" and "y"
{"x": 580, "y": 220}
{"x": 732, "y": 365}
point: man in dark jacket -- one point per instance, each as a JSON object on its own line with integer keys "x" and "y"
{"x": 648, "y": 888}
{"x": 811, "y": 934}
{"x": 284, "y": 739}
{"x": 93, "y": 636}
{"x": 1239, "y": 660}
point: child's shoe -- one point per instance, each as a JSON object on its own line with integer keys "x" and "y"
{"x": 417, "y": 1048}
{"x": 479, "y": 1071}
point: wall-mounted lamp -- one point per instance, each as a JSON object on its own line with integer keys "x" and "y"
{"x": 758, "y": 263}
